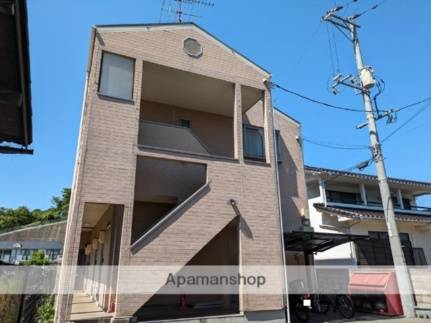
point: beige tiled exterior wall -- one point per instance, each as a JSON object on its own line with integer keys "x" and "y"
{"x": 108, "y": 151}
{"x": 293, "y": 190}
{"x": 290, "y": 167}
{"x": 203, "y": 125}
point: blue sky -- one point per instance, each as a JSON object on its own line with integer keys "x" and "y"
{"x": 277, "y": 34}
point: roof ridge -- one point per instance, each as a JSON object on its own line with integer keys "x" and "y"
{"x": 349, "y": 173}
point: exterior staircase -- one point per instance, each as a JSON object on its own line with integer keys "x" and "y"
{"x": 179, "y": 236}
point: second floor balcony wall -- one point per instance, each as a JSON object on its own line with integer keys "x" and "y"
{"x": 170, "y": 137}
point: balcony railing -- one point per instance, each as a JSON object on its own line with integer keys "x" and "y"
{"x": 372, "y": 205}
{"x": 344, "y": 201}
{"x": 420, "y": 208}
{"x": 168, "y": 136}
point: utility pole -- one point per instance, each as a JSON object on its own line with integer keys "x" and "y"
{"x": 364, "y": 85}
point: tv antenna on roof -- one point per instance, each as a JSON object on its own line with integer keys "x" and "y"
{"x": 180, "y": 6}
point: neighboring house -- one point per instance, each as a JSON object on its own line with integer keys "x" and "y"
{"x": 17, "y": 245}
{"x": 177, "y": 165}
{"x": 15, "y": 96}
{"x": 350, "y": 203}
{"x": 20, "y": 251}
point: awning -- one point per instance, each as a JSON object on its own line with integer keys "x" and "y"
{"x": 309, "y": 241}
{"x": 15, "y": 94}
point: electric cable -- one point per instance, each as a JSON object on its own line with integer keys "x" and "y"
{"x": 330, "y": 50}
{"x": 368, "y": 10}
{"x": 359, "y": 166}
{"x": 275, "y": 85}
{"x": 307, "y": 47}
{"x": 334, "y": 145}
{"x": 412, "y": 104}
{"x": 161, "y": 10}
{"x": 406, "y": 122}
{"x": 337, "y": 60}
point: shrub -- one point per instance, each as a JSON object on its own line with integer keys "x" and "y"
{"x": 45, "y": 311}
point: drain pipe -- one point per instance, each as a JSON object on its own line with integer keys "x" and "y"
{"x": 267, "y": 83}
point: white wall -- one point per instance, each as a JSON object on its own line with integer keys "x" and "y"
{"x": 345, "y": 254}
{"x": 340, "y": 255}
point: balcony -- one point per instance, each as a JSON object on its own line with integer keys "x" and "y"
{"x": 356, "y": 200}
{"x": 191, "y": 113}
{"x": 171, "y": 137}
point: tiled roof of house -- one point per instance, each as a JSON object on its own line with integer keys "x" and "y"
{"x": 334, "y": 172}
{"x": 365, "y": 214}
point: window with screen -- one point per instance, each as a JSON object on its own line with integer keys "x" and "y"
{"x": 343, "y": 197}
{"x": 254, "y": 147}
{"x": 377, "y": 250}
{"x": 116, "y": 76}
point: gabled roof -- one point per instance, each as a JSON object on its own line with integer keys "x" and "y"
{"x": 156, "y": 26}
{"x": 333, "y": 172}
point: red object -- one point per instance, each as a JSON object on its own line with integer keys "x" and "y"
{"x": 112, "y": 306}
{"x": 376, "y": 292}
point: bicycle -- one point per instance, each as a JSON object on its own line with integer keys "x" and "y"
{"x": 342, "y": 303}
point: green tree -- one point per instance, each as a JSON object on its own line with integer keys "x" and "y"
{"x": 38, "y": 258}
{"x": 61, "y": 204}
{"x": 10, "y": 218}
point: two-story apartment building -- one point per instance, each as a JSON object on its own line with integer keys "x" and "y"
{"x": 346, "y": 202}
{"x": 179, "y": 161}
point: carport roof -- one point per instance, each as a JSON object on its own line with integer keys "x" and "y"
{"x": 310, "y": 241}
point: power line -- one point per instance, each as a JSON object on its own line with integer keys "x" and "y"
{"x": 330, "y": 50}
{"x": 315, "y": 100}
{"x": 302, "y": 96}
{"x": 347, "y": 5}
{"x": 359, "y": 166}
{"x": 337, "y": 60}
{"x": 161, "y": 10}
{"x": 417, "y": 127}
{"x": 368, "y": 10}
{"x": 334, "y": 145}
{"x": 307, "y": 47}
{"x": 406, "y": 122}
{"x": 412, "y": 105}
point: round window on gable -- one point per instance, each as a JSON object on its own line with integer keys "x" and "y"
{"x": 192, "y": 47}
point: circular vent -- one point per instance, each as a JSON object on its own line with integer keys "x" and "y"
{"x": 192, "y": 47}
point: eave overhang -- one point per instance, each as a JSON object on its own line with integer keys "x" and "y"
{"x": 15, "y": 92}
